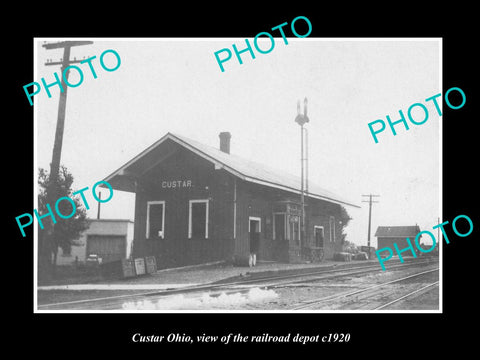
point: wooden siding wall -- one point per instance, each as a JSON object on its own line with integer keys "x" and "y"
{"x": 176, "y": 249}
{"x": 258, "y": 201}
{"x": 318, "y": 213}
{"x": 400, "y": 241}
{"x": 254, "y": 200}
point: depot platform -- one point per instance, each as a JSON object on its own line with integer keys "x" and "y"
{"x": 219, "y": 272}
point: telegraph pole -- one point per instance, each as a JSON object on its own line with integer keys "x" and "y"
{"x": 52, "y": 192}
{"x": 370, "y": 201}
{"x": 98, "y": 208}
{"x": 64, "y": 62}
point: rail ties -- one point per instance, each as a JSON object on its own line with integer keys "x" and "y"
{"x": 351, "y": 293}
{"x": 406, "y": 296}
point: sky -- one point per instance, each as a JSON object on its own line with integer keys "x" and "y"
{"x": 176, "y": 85}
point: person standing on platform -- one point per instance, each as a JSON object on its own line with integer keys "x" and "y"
{"x": 254, "y": 245}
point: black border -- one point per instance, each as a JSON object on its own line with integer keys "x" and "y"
{"x": 112, "y": 332}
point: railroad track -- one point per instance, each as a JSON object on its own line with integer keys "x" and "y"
{"x": 377, "y": 290}
{"x": 114, "y": 302}
{"x": 406, "y": 296}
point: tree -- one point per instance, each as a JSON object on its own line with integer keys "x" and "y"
{"x": 344, "y": 220}
{"x": 64, "y": 233}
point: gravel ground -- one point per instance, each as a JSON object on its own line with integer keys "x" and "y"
{"x": 425, "y": 300}
{"x": 285, "y": 296}
{"x": 215, "y": 273}
{"x": 188, "y": 275}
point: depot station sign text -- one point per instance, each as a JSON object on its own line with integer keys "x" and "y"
{"x": 169, "y": 184}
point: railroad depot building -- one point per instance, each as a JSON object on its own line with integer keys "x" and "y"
{"x": 196, "y": 204}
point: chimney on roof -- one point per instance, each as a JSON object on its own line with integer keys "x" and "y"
{"x": 225, "y": 141}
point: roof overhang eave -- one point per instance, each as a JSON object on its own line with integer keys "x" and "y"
{"x": 296, "y": 191}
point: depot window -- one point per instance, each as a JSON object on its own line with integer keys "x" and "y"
{"x": 319, "y": 236}
{"x": 332, "y": 228}
{"x": 279, "y": 226}
{"x": 155, "y": 220}
{"x": 198, "y": 219}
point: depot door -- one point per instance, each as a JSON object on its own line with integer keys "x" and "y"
{"x": 254, "y": 230}
{"x": 319, "y": 236}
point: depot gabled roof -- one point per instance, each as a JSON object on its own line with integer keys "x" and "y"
{"x": 244, "y": 169}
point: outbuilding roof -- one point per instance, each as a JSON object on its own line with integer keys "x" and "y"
{"x": 246, "y": 170}
{"x": 397, "y": 231}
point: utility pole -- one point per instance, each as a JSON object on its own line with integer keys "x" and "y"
{"x": 52, "y": 192}
{"x": 98, "y": 208}
{"x": 370, "y": 201}
{"x": 64, "y": 62}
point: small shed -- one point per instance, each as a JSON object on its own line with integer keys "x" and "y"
{"x": 389, "y": 235}
{"x": 110, "y": 239}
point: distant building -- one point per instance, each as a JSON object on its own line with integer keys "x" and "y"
{"x": 110, "y": 239}
{"x": 388, "y": 235}
{"x": 196, "y": 204}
